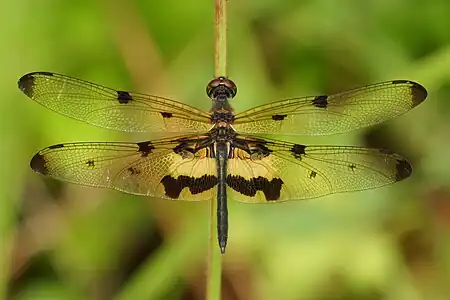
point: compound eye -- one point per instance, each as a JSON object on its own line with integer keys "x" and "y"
{"x": 212, "y": 85}
{"x": 222, "y": 84}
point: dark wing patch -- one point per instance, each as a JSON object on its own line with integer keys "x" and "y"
{"x": 145, "y": 148}
{"x": 124, "y": 97}
{"x": 320, "y": 101}
{"x": 298, "y": 150}
{"x": 166, "y": 114}
{"x": 38, "y": 164}
{"x": 248, "y": 187}
{"x": 341, "y": 112}
{"x": 403, "y": 168}
{"x": 108, "y": 108}
{"x": 295, "y": 172}
{"x": 419, "y": 93}
{"x": 174, "y": 186}
{"x": 123, "y": 166}
{"x": 278, "y": 117}
{"x": 312, "y": 174}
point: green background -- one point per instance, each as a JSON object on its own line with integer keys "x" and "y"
{"x": 61, "y": 241}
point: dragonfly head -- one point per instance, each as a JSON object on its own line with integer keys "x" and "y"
{"x": 221, "y": 89}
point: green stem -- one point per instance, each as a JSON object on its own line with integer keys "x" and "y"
{"x": 214, "y": 272}
{"x": 220, "y": 43}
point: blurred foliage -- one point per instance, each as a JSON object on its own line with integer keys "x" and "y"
{"x": 62, "y": 241}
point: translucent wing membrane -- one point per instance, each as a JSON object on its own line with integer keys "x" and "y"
{"x": 259, "y": 171}
{"x": 279, "y": 171}
{"x": 146, "y": 168}
{"x": 332, "y": 114}
{"x": 187, "y": 167}
{"x": 108, "y": 108}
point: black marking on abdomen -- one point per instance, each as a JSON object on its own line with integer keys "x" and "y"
{"x": 124, "y": 97}
{"x": 174, "y": 186}
{"x": 249, "y": 187}
{"x": 320, "y": 101}
{"x": 145, "y": 148}
{"x": 278, "y": 117}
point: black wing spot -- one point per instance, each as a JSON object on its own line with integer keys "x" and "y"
{"x": 298, "y": 150}
{"x": 124, "y": 97}
{"x": 57, "y": 146}
{"x": 145, "y": 148}
{"x": 26, "y": 84}
{"x": 312, "y": 174}
{"x": 352, "y": 167}
{"x": 271, "y": 189}
{"x": 166, "y": 114}
{"x": 278, "y": 117}
{"x": 90, "y": 163}
{"x": 418, "y": 92}
{"x": 403, "y": 169}
{"x": 174, "y": 186}
{"x": 320, "y": 101}
{"x": 39, "y": 164}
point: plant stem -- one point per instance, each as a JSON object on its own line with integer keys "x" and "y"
{"x": 214, "y": 272}
{"x": 220, "y": 36}
{"x": 214, "y": 275}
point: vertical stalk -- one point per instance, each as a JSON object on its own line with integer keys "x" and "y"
{"x": 214, "y": 272}
{"x": 220, "y": 38}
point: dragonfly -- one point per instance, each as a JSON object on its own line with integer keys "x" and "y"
{"x": 219, "y": 154}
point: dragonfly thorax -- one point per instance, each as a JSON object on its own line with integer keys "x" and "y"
{"x": 222, "y": 133}
{"x": 222, "y": 118}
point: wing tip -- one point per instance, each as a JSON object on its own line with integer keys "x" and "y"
{"x": 418, "y": 91}
{"x": 39, "y": 164}
{"x": 26, "y": 82}
{"x": 403, "y": 169}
